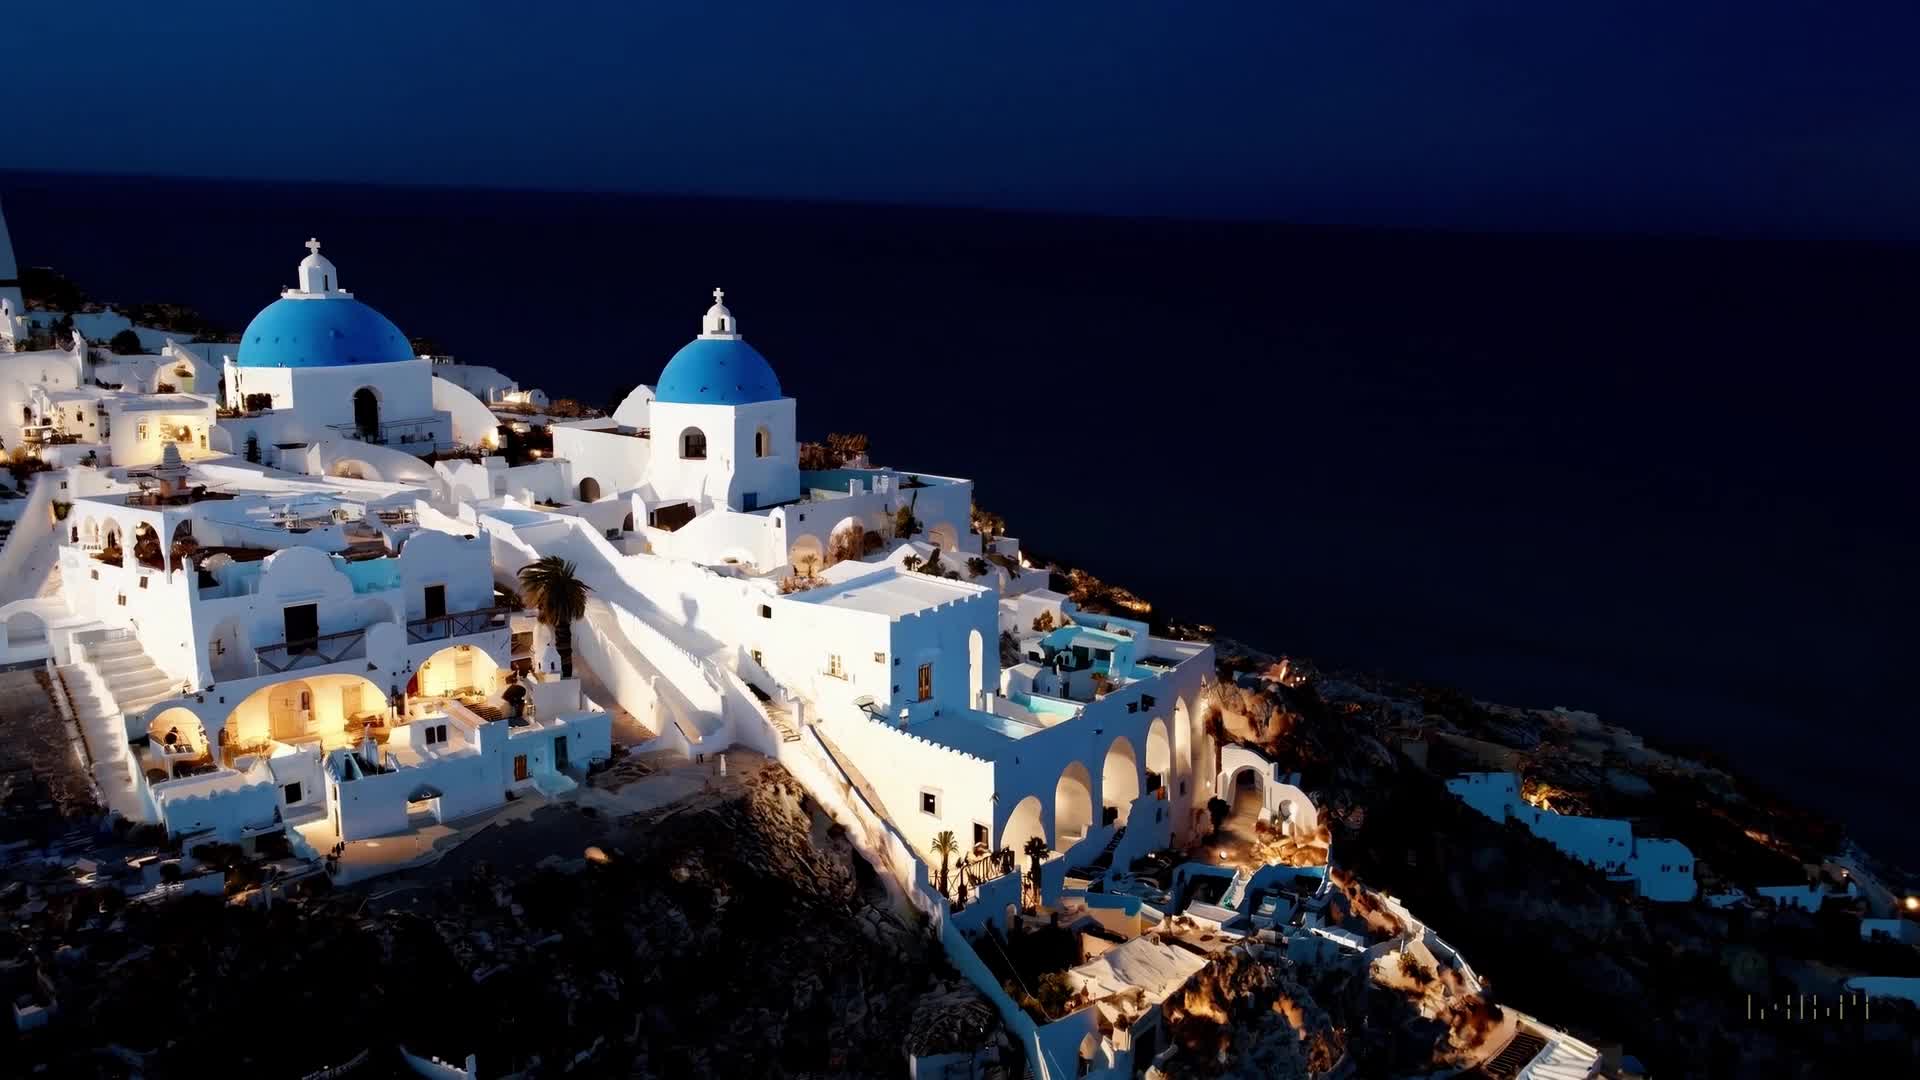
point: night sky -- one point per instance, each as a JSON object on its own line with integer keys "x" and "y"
{"x": 1794, "y": 119}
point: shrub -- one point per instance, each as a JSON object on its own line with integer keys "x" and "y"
{"x": 977, "y": 566}
{"x": 125, "y": 343}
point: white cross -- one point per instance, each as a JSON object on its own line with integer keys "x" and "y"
{"x": 717, "y": 294}
{"x": 313, "y": 245}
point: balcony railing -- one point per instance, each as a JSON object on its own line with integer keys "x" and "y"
{"x": 457, "y": 624}
{"x": 314, "y": 652}
{"x": 416, "y": 429}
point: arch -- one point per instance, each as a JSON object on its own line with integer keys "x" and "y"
{"x": 1072, "y": 804}
{"x": 110, "y": 536}
{"x": 366, "y": 413}
{"x": 26, "y": 628}
{"x": 1159, "y": 753}
{"x": 146, "y": 547}
{"x": 976, "y": 668}
{"x": 762, "y": 442}
{"x": 1026, "y": 821}
{"x": 456, "y": 668}
{"x": 590, "y": 490}
{"x": 806, "y": 555}
{"x": 626, "y": 523}
{"x": 944, "y": 536}
{"x": 846, "y": 541}
{"x": 318, "y": 708}
{"x": 693, "y": 445}
{"x": 1120, "y": 779}
{"x": 188, "y": 730}
{"x": 90, "y": 531}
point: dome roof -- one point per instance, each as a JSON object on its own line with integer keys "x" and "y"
{"x": 717, "y": 371}
{"x": 322, "y": 331}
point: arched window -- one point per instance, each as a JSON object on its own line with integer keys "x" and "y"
{"x": 589, "y": 490}
{"x": 762, "y": 443}
{"x": 693, "y": 444}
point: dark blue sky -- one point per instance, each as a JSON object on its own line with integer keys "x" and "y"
{"x": 1696, "y": 117}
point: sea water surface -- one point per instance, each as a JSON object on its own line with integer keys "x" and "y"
{"x": 1669, "y": 480}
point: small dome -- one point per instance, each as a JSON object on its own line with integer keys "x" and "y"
{"x": 327, "y": 331}
{"x": 717, "y": 371}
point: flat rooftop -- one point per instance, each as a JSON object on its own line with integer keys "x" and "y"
{"x": 970, "y": 731}
{"x": 891, "y": 592}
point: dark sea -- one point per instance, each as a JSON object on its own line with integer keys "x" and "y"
{"x": 1669, "y": 480}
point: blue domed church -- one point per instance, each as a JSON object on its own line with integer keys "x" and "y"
{"x": 723, "y": 434}
{"x": 318, "y": 366}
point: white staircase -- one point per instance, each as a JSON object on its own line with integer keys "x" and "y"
{"x": 129, "y": 674}
{"x": 115, "y": 678}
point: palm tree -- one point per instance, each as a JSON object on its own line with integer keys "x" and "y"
{"x": 552, "y": 588}
{"x": 1036, "y": 850}
{"x": 944, "y": 845}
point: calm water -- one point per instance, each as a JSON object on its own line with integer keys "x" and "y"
{"x": 1667, "y": 480}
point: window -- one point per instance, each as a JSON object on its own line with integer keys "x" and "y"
{"x": 766, "y": 611}
{"x": 292, "y": 792}
{"x": 930, "y": 802}
{"x": 693, "y": 445}
{"x": 834, "y": 668}
{"x": 926, "y": 682}
{"x": 757, "y": 658}
{"x": 749, "y": 500}
{"x": 879, "y": 658}
{"x": 979, "y": 834}
{"x": 306, "y": 700}
{"x": 762, "y": 443}
{"x": 140, "y": 431}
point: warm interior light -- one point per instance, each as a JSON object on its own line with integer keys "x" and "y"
{"x": 1913, "y": 903}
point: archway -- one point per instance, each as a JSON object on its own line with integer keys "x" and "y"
{"x": 183, "y": 545}
{"x": 976, "y": 668}
{"x": 146, "y": 547}
{"x": 366, "y": 413}
{"x": 454, "y": 670}
{"x": 1159, "y": 754}
{"x": 846, "y": 541}
{"x": 90, "y": 532}
{"x": 328, "y": 709}
{"x": 806, "y": 556}
{"x": 626, "y": 523}
{"x": 178, "y": 734}
{"x": 1072, "y": 804}
{"x": 693, "y": 444}
{"x": 590, "y": 490}
{"x": 1120, "y": 779}
{"x": 762, "y": 442}
{"x": 1023, "y": 824}
{"x": 945, "y": 537}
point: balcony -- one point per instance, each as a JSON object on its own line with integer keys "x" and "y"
{"x": 419, "y": 429}
{"x": 457, "y": 624}
{"x": 313, "y": 652}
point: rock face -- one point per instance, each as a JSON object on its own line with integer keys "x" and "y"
{"x": 733, "y": 933}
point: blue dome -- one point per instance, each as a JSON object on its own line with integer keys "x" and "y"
{"x": 333, "y": 331}
{"x": 717, "y": 371}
